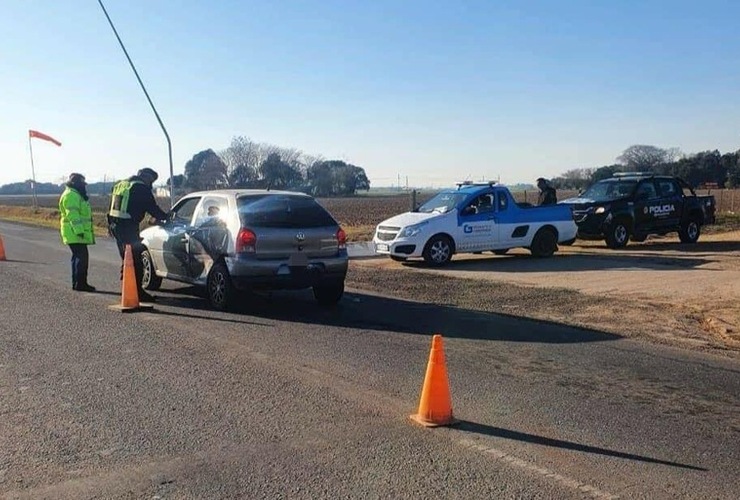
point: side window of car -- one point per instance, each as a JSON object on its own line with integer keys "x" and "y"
{"x": 667, "y": 188}
{"x": 646, "y": 191}
{"x": 503, "y": 201}
{"x": 183, "y": 212}
{"x": 213, "y": 210}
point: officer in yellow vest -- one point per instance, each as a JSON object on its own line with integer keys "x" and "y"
{"x": 76, "y": 228}
{"x": 131, "y": 199}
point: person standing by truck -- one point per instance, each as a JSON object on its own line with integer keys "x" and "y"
{"x": 548, "y": 195}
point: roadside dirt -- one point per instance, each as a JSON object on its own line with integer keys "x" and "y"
{"x": 660, "y": 290}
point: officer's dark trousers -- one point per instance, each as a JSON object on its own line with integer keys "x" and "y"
{"x": 127, "y": 233}
{"x": 80, "y": 262}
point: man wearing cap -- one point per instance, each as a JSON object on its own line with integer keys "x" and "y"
{"x": 548, "y": 196}
{"x": 131, "y": 199}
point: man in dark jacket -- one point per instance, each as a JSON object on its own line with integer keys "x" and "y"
{"x": 130, "y": 201}
{"x": 548, "y": 196}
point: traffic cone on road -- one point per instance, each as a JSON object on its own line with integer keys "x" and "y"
{"x": 2, "y": 250}
{"x": 435, "y": 405}
{"x": 129, "y": 290}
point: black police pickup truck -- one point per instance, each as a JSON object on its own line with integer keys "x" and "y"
{"x": 633, "y": 205}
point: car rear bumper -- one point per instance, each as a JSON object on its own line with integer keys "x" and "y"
{"x": 248, "y": 272}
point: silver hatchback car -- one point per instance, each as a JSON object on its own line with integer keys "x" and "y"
{"x": 241, "y": 240}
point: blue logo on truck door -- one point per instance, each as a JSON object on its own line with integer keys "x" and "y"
{"x": 476, "y": 228}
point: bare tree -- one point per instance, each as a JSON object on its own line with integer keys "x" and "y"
{"x": 642, "y": 157}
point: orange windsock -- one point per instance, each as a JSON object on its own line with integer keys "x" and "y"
{"x": 2, "y": 250}
{"x": 435, "y": 405}
{"x": 42, "y": 136}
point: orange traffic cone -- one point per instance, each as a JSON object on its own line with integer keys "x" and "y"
{"x": 129, "y": 290}
{"x": 2, "y": 250}
{"x": 435, "y": 406}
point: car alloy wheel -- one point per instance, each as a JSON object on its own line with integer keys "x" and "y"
{"x": 220, "y": 290}
{"x": 438, "y": 251}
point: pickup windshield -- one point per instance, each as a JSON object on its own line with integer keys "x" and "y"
{"x": 443, "y": 202}
{"x": 610, "y": 190}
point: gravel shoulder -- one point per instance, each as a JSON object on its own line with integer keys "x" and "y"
{"x": 686, "y": 296}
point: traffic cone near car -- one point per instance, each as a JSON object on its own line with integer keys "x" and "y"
{"x": 435, "y": 405}
{"x": 129, "y": 290}
{"x": 2, "y": 250}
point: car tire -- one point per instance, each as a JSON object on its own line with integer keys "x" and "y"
{"x": 438, "y": 250}
{"x": 544, "y": 243}
{"x": 149, "y": 278}
{"x": 617, "y": 235}
{"x": 219, "y": 289}
{"x": 328, "y": 295}
{"x": 689, "y": 231}
{"x": 501, "y": 251}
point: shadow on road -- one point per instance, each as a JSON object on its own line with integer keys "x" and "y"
{"x": 370, "y": 312}
{"x": 567, "y": 445}
{"x": 520, "y": 263}
{"x": 698, "y": 247}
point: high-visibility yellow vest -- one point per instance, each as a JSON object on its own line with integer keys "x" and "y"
{"x": 120, "y": 197}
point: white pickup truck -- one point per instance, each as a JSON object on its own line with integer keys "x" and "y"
{"x": 471, "y": 219}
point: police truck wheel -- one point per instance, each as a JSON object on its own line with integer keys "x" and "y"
{"x": 617, "y": 235}
{"x": 149, "y": 278}
{"x": 438, "y": 251}
{"x": 219, "y": 289}
{"x": 689, "y": 232}
{"x": 545, "y": 243}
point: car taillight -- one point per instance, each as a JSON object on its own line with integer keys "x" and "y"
{"x": 342, "y": 238}
{"x": 246, "y": 240}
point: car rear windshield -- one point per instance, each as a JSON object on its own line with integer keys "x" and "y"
{"x": 282, "y": 211}
{"x": 610, "y": 190}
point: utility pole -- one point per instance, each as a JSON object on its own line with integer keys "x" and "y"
{"x": 166, "y": 135}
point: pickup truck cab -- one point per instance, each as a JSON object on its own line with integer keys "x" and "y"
{"x": 634, "y": 205}
{"x": 472, "y": 219}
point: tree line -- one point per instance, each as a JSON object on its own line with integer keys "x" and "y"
{"x": 708, "y": 168}
{"x": 248, "y": 164}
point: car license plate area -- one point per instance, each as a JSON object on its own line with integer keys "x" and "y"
{"x": 298, "y": 260}
{"x": 381, "y": 247}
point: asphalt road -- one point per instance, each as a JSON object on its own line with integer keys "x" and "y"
{"x": 286, "y": 400}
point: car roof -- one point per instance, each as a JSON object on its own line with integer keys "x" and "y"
{"x": 244, "y": 192}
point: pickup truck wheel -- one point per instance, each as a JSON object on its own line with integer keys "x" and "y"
{"x": 438, "y": 251}
{"x": 689, "y": 232}
{"x": 617, "y": 235}
{"x": 149, "y": 278}
{"x": 544, "y": 244}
